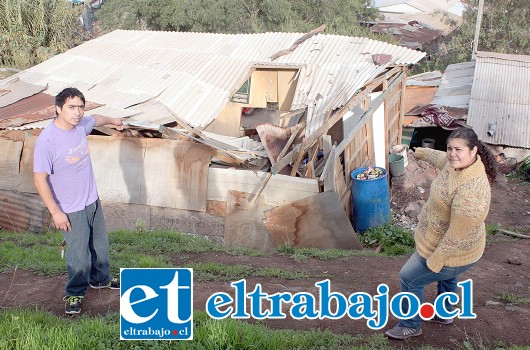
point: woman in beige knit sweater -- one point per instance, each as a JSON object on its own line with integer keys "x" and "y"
{"x": 450, "y": 236}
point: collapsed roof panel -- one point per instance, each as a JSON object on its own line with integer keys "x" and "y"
{"x": 194, "y": 74}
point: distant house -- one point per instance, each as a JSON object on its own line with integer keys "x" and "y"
{"x": 418, "y": 24}
{"x": 190, "y": 160}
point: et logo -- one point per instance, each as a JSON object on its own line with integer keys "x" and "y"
{"x": 156, "y": 304}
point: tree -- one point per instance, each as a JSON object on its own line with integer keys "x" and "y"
{"x": 33, "y": 31}
{"x": 239, "y": 16}
{"x": 504, "y": 29}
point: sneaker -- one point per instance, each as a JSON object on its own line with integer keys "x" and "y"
{"x": 72, "y": 304}
{"x": 443, "y": 321}
{"x": 399, "y": 332}
{"x": 113, "y": 284}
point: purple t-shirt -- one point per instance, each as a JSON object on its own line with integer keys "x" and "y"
{"x": 64, "y": 155}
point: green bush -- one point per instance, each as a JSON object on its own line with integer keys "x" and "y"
{"x": 393, "y": 239}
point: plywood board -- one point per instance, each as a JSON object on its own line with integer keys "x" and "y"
{"x": 9, "y": 163}
{"x": 244, "y": 222}
{"x": 176, "y": 174}
{"x": 25, "y": 178}
{"x": 228, "y": 121}
{"x": 263, "y": 88}
{"x": 314, "y": 222}
{"x": 119, "y": 168}
{"x": 279, "y": 190}
{"x": 286, "y": 88}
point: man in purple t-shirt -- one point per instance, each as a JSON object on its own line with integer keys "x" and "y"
{"x": 65, "y": 181}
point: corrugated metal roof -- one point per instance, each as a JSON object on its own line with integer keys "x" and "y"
{"x": 15, "y": 91}
{"x": 194, "y": 74}
{"x": 455, "y": 86}
{"x": 501, "y": 95}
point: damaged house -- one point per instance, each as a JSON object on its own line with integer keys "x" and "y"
{"x": 248, "y": 139}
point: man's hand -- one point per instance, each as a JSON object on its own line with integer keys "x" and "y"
{"x": 61, "y": 221}
{"x": 118, "y": 123}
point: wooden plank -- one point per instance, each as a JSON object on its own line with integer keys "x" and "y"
{"x": 264, "y": 88}
{"x": 279, "y": 190}
{"x": 294, "y": 132}
{"x": 244, "y": 222}
{"x": 314, "y": 222}
{"x": 118, "y": 165}
{"x": 108, "y": 131}
{"x": 25, "y": 178}
{"x": 287, "y": 80}
{"x": 176, "y": 174}
{"x": 260, "y": 189}
{"x": 344, "y": 143}
{"x": 228, "y": 121}
{"x": 9, "y": 163}
{"x": 328, "y": 174}
{"x": 298, "y": 160}
{"x": 285, "y": 160}
{"x": 298, "y": 42}
{"x": 311, "y": 139}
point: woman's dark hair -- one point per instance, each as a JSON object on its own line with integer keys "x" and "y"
{"x": 67, "y": 93}
{"x": 471, "y": 139}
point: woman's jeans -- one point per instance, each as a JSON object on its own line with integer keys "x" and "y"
{"x": 87, "y": 250}
{"x": 415, "y": 275}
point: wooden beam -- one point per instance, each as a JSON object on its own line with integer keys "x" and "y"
{"x": 298, "y": 42}
{"x": 253, "y": 196}
{"x": 286, "y": 160}
{"x": 310, "y": 140}
{"x": 298, "y": 160}
{"x": 108, "y": 131}
{"x": 293, "y": 114}
{"x": 370, "y": 112}
{"x": 294, "y": 133}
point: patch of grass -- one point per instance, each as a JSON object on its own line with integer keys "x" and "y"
{"x": 160, "y": 241}
{"x": 394, "y": 239}
{"x": 491, "y": 229}
{"x": 512, "y": 299}
{"x": 38, "y": 253}
{"x": 281, "y": 273}
{"x": 212, "y": 271}
{"x": 36, "y": 329}
{"x": 302, "y": 254}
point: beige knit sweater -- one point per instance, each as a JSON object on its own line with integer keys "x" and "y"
{"x": 451, "y": 230}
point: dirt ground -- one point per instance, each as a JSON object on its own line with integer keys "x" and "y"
{"x": 504, "y": 269}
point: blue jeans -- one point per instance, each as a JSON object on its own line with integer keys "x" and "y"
{"x": 415, "y": 275}
{"x": 87, "y": 250}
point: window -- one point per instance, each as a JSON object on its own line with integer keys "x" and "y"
{"x": 243, "y": 94}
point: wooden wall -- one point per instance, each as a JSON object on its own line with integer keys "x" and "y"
{"x": 357, "y": 149}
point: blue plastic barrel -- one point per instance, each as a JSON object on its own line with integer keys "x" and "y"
{"x": 370, "y": 201}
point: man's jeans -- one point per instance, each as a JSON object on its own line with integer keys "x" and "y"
{"x": 415, "y": 275}
{"x": 87, "y": 250}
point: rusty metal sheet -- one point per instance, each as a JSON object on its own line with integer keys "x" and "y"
{"x": 32, "y": 109}
{"x": 18, "y": 90}
{"x": 22, "y": 212}
{"x": 274, "y": 138}
{"x": 413, "y": 35}
{"x": 313, "y": 222}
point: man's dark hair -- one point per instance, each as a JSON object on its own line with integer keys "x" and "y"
{"x": 67, "y": 93}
